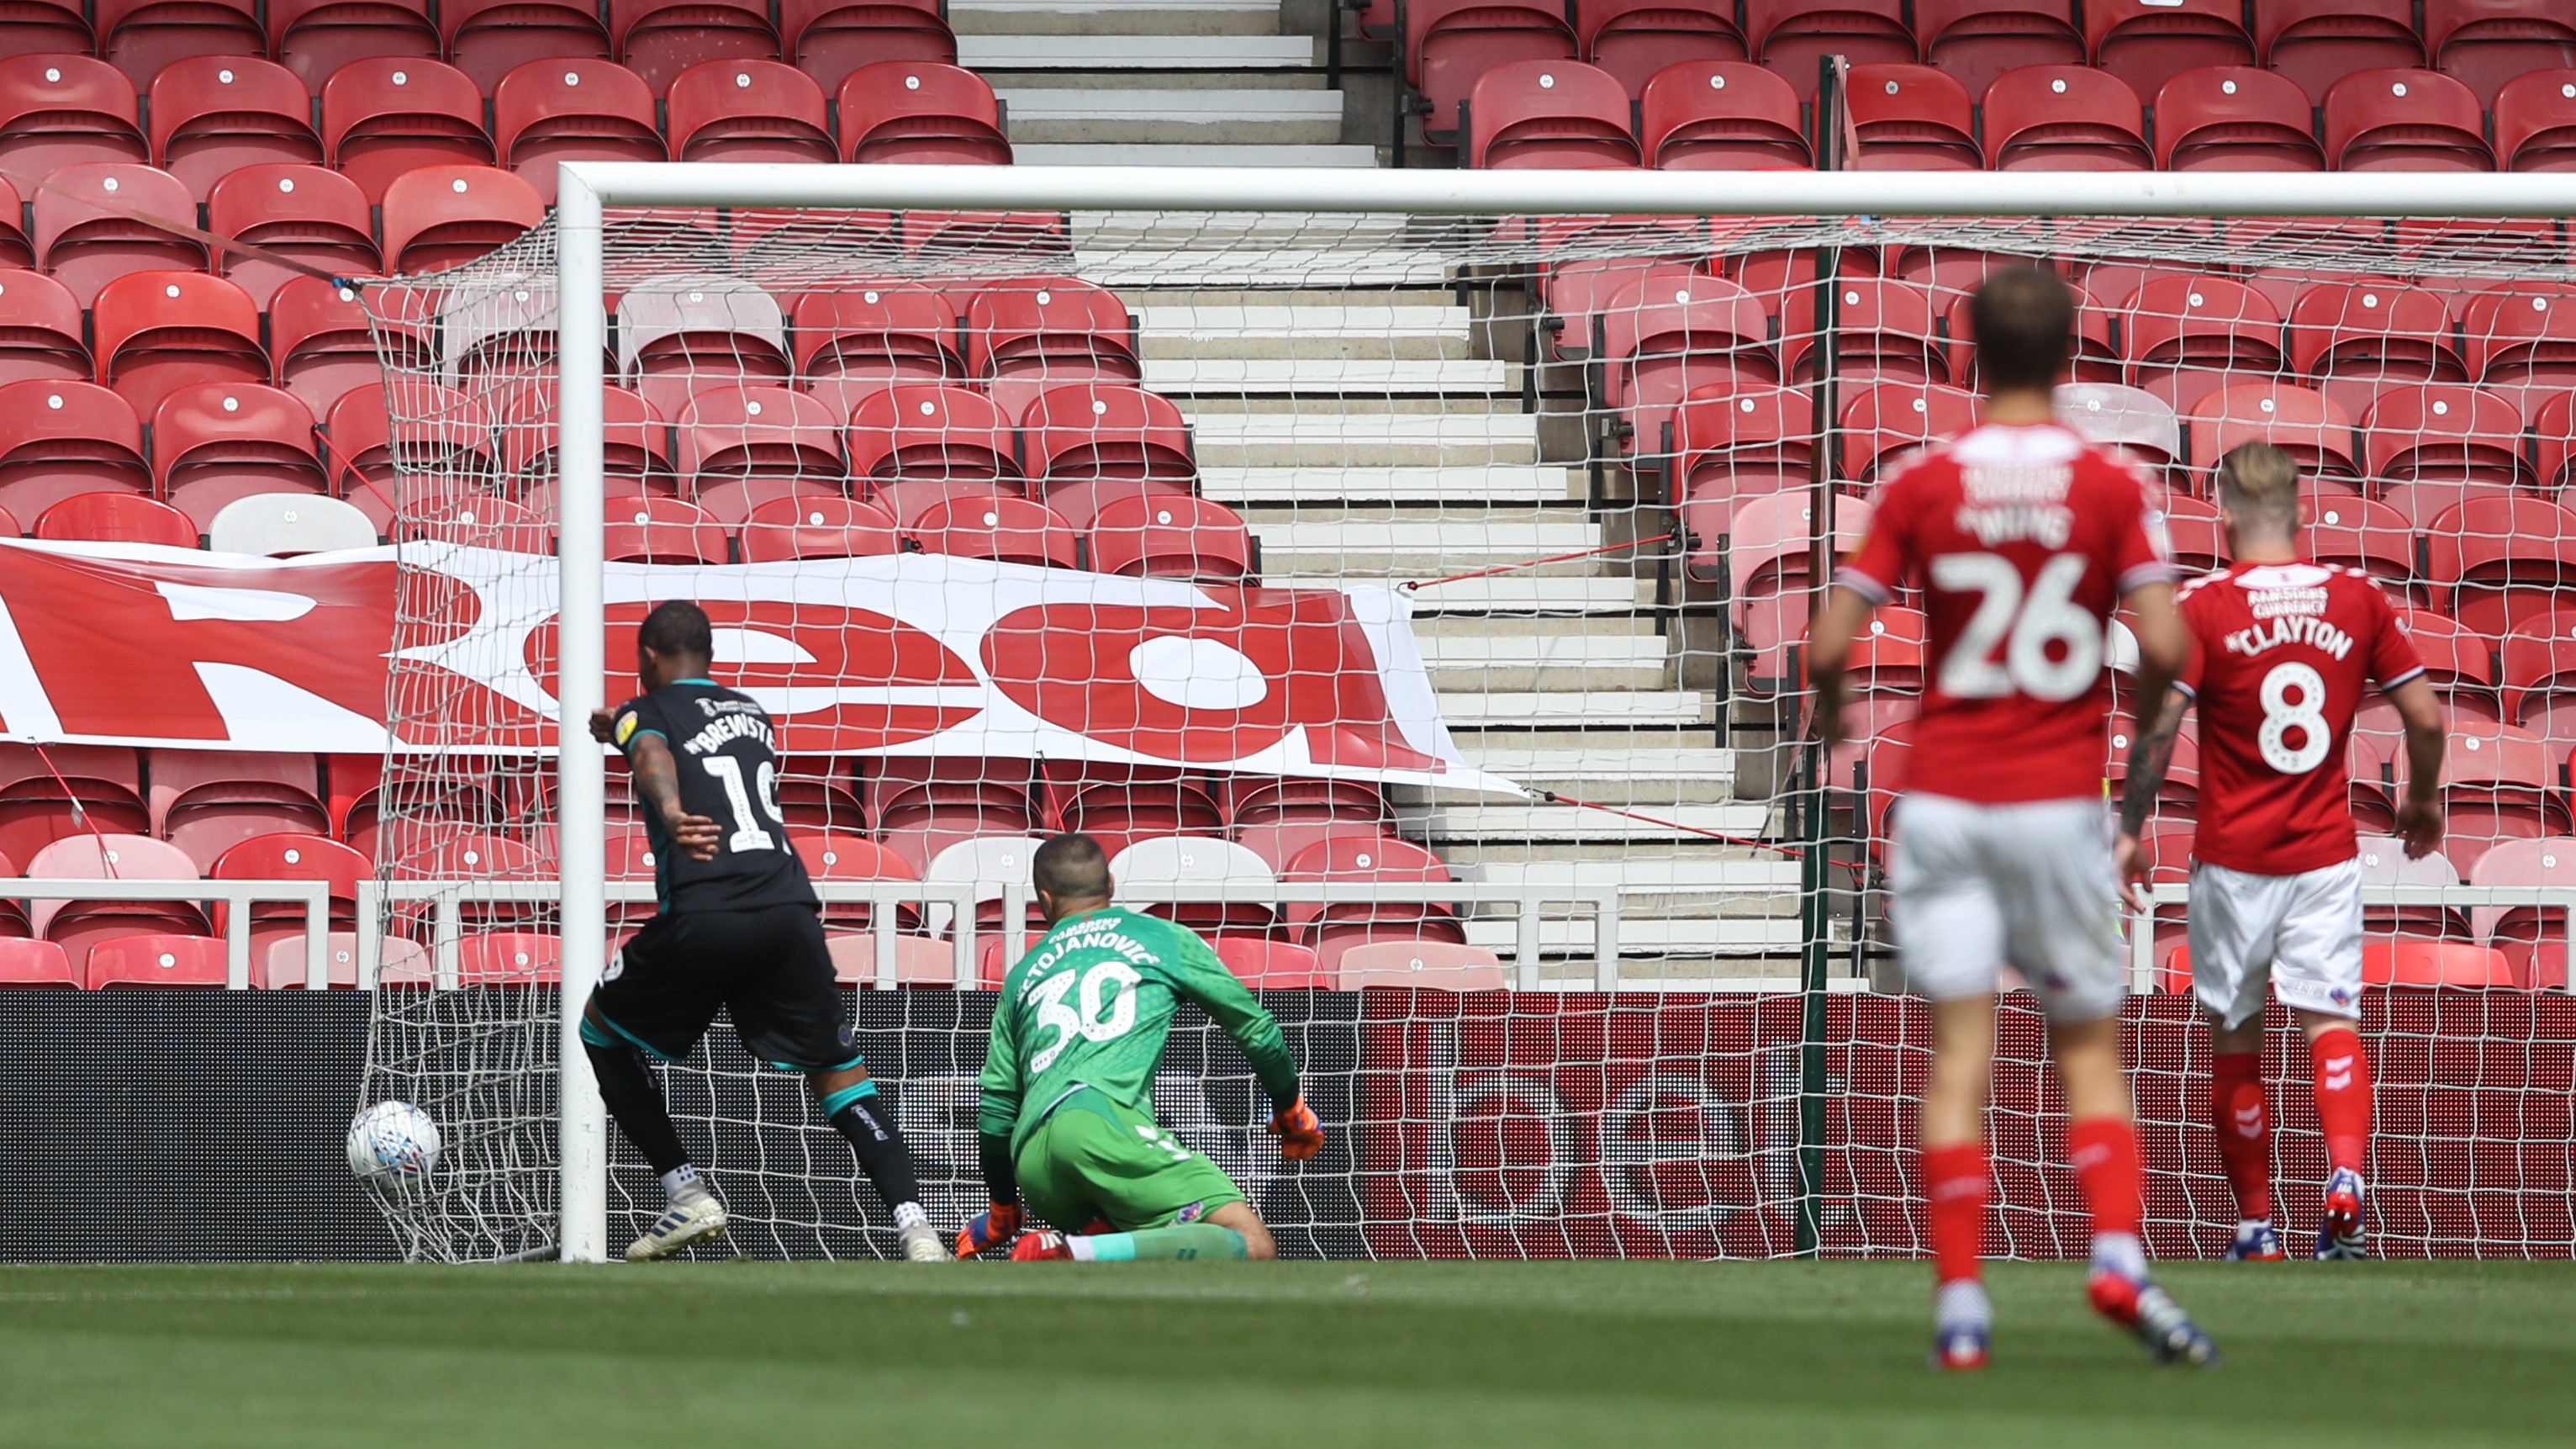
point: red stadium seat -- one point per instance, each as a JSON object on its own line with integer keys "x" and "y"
{"x": 2363, "y": 534}
{"x": 1909, "y": 117}
{"x": 1449, "y": 43}
{"x": 2433, "y": 963}
{"x": 116, "y": 518}
{"x": 2318, "y": 42}
{"x": 1767, "y": 551}
{"x": 1098, "y": 433}
{"x": 828, "y": 39}
{"x": 1978, "y": 40}
{"x": 665, "y": 531}
{"x": 159, "y": 332}
{"x": 2405, "y": 120}
{"x": 1886, "y": 332}
{"x": 2459, "y": 665}
{"x": 921, "y": 112}
{"x": 39, "y": 788}
{"x": 87, "y": 854}
{"x": 749, "y": 110}
{"x": 898, "y": 788}
{"x": 2434, "y": 444}
{"x": 312, "y": 215}
{"x": 683, "y": 335}
{"x": 90, "y": 228}
{"x": 923, "y": 434}
{"x": 635, "y": 441}
{"x": 2498, "y": 783}
{"x": 17, "y": 253}
{"x": 46, "y": 27}
{"x": 2357, "y": 337}
{"x": 1040, "y": 237}
{"x": 1635, "y": 39}
{"x": 2189, "y": 336}
{"x": 1792, "y": 36}
{"x": 476, "y": 521}
{"x": 2535, "y": 122}
{"x": 831, "y": 856}
{"x": 66, "y": 110}
{"x": 214, "y": 443}
{"x": 59, "y": 440}
{"x": 445, "y": 216}
{"x": 1556, "y": 114}
{"x": 384, "y": 117}
{"x": 2486, "y": 43}
{"x": 2537, "y": 677}
{"x": 2131, "y": 418}
{"x": 2383, "y": 861}
{"x": 817, "y": 528}
{"x": 487, "y": 39}
{"x": 314, "y": 38}
{"x": 153, "y": 958}
{"x": 322, "y": 344}
{"x": 852, "y": 343}
{"x": 1575, "y": 293}
{"x": 2147, "y": 42}
{"x": 2502, "y": 559}
{"x": 1266, "y": 965}
{"x": 2531, "y": 939}
{"x": 1730, "y": 449}
{"x": 1883, "y": 425}
{"x": 741, "y": 447}
{"x": 1119, "y": 812}
{"x": 1171, "y": 538}
{"x": 1345, "y": 862}
{"x": 549, "y": 111}
{"x": 35, "y": 963}
{"x": 1669, "y": 335}
{"x": 994, "y": 526}
{"x": 2064, "y": 118}
{"x": 2235, "y": 118}
{"x": 1025, "y": 336}
{"x": 1720, "y": 115}
{"x": 1155, "y": 871}
{"x": 2306, "y": 425}
{"x": 2521, "y": 340}
{"x": 660, "y": 39}
{"x": 140, "y": 37}
{"x": 443, "y": 432}
{"x": 212, "y": 115}
{"x": 509, "y": 958}
{"x": 40, "y": 330}
{"x": 211, "y": 802}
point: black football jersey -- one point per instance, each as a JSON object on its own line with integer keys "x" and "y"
{"x": 726, "y": 750}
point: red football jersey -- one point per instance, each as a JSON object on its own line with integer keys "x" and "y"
{"x": 2023, "y": 540}
{"x": 2280, "y": 656}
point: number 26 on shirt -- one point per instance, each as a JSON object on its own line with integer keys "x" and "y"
{"x": 2024, "y": 624}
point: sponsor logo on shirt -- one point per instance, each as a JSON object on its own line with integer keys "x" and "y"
{"x": 2008, "y": 503}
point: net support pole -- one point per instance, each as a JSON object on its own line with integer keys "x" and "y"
{"x": 581, "y": 792}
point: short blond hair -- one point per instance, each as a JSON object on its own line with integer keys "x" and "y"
{"x": 2259, "y": 484}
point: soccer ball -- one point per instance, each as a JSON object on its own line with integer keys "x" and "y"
{"x": 392, "y": 1147}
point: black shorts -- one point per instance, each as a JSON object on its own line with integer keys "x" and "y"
{"x": 767, "y": 966}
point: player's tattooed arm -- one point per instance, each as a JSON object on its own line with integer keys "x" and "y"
{"x": 2150, "y": 756}
{"x": 657, "y": 781}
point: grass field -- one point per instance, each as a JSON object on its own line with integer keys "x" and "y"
{"x": 1305, "y": 1354}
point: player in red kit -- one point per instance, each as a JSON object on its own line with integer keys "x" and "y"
{"x": 2283, "y": 651}
{"x": 2023, "y": 538}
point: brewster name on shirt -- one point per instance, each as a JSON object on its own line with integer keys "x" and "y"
{"x": 2008, "y": 505}
{"x": 730, "y": 726}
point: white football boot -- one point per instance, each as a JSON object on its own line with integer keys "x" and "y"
{"x": 923, "y": 1244}
{"x": 699, "y": 1220}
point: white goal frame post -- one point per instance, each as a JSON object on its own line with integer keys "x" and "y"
{"x": 587, "y": 188}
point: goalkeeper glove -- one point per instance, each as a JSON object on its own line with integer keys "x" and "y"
{"x": 1300, "y": 1134}
{"x": 992, "y": 1228}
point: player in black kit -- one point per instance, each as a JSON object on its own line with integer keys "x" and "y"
{"x": 739, "y": 927}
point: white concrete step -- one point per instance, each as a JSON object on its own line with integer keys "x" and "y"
{"x": 1476, "y": 663}
{"x": 1645, "y": 936}
{"x": 1114, "y": 17}
{"x": 1324, "y": 437}
{"x": 1106, "y": 52}
{"x": 1705, "y": 873}
{"x": 1292, "y": 265}
{"x": 1328, "y": 375}
{"x": 1357, "y": 332}
{"x": 1467, "y": 485}
{"x": 1615, "y": 762}
{"x": 1098, "y": 116}
{"x": 1501, "y": 710}
{"x": 1509, "y": 595}
{"x": 1184, "y": 154}
{"x": 1443, "y": 822}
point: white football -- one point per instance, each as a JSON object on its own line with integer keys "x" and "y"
{"x": 392, "y": 1146}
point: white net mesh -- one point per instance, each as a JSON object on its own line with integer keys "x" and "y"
{"x": 1564, "y": 472}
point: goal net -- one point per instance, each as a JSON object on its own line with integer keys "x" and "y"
{"x": 1414, "y": 604}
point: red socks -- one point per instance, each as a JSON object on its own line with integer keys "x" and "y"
{"x": 2244, "y": 1130}
{"x": 1954, "y": 1186}
{"x": 2343, "y": 1096}
{"x": 2104, "y": 1153}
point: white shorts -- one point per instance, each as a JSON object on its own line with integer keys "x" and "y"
{"x": 2301, "y": 933}
{"x": 2032, "y": 883}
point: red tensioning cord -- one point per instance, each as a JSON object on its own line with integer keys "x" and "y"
{"x": 1553, "y": 798}
{"x": 1409, "y": 587}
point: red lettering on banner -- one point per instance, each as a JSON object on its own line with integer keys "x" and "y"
{"x": 884, "y": 668}
{"x": 1077, "y": 666}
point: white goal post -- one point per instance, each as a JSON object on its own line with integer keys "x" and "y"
{"x": 588, "y": 189}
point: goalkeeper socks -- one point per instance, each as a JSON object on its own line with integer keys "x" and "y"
{"x": 2104, "y": 1153}
{"x": 858, "y": 1114}
{"x": 1192, "y": 1240}
{"x": 2343, "y": 1096}
{"x": 683, "y": 1186}
{"x": 2244, "y": 1128}
{"x": 1954, "y": 1189}
{"x": 636, "y": 1104}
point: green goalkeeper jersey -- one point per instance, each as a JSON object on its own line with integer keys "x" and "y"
{"x": 1091, "y": 1005}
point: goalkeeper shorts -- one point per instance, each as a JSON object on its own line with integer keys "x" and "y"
{"x": 1094, "y": 1160}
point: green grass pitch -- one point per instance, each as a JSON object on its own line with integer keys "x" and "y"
{"x": 1310, "y": 1355}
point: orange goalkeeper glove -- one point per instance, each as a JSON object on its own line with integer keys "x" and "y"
{"x": 992, "y": 1228}
{"x": 1300, "y": 1134}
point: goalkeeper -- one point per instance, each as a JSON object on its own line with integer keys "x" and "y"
{"x": 1067, "y": 1115}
